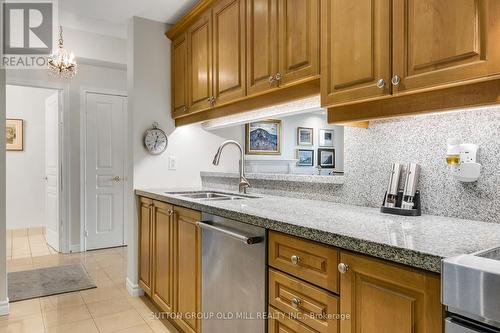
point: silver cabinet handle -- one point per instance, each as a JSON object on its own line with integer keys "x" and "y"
{"x": 272, "y": 78}
{"x": 295, "y": 259}
{"x": 184, "y": 109}
{"x": 395, "y": 80}
{"x": 170, "y": 212}
{"x": 343, "y": 268}
{"x": 278, "y": 77}
{"x": 296, "y": 302}
{"x": 250, "y": 240}
{"x": 381, "y": 83}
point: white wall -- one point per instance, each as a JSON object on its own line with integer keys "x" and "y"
{"x": 96, "y": 78}
{"x": 4, "y": 301}
{"x": 26, "y": 169}
{"x": 95, "y": 47}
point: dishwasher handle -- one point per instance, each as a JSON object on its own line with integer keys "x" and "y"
{"x": 249, "y": 240}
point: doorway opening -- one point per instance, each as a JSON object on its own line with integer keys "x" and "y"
{"x": 33, "y": 171}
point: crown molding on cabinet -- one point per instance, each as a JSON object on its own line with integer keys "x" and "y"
{"x": 189, "y": 18}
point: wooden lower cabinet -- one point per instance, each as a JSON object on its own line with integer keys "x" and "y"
{"x": 170, "y": 260}
{"x": 163, "y": 258}
{"x": 382, "y": 297}
{"x": 188, "y": 268}
{"x": 280, "y": 323}
{"x": 145, "y": 235}
{"x": 310, "y": 305}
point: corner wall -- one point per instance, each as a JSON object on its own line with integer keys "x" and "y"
{"x": 26, "y": 169}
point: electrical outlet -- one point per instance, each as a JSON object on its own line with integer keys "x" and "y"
{"x": 172, "y": 163}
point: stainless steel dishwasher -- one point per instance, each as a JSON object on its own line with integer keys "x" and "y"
{"x": 233, "y": 276}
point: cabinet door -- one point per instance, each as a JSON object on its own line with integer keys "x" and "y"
{"x": 179, "y": 76}
{"x": 262, "y": 45}
{"x": 440, "y": 42}
{"x": 355, "y": 51}
{"x": 387, "y": 298}
{"x": 188, "y": 268}
{"x": 229, "y": 50}
{"x": 298, "y": 46}
{"x": 163, "y": 258}
{"x": 200, "y": 63}
{"x": 145, "y": 236}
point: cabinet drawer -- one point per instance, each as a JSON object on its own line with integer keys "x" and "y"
{"x": 306, "y": 303}
{"x": 310, "y": 261}
{"x": 279, "y": 323}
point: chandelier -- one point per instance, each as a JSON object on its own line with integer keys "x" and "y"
{"x": 62, "y": 62}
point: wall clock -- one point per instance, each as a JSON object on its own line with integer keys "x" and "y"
{"x": 155, "y": 140}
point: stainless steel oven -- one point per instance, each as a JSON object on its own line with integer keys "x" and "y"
{"x": 471, "y": 292}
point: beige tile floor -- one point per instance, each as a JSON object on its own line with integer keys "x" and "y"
{"x": 108, "y": 308}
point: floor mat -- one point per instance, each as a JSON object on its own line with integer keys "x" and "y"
{"x": 48, "y": 281}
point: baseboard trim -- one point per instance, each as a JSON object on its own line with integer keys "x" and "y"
{"x": 4, "y": 307}
{"x": 133, "y": 289}
{"x": 75, "y": 248}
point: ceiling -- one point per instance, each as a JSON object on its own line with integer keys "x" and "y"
{"x": 111, "y": 16}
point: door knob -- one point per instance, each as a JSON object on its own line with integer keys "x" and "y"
{"x": 116, "y": 178}
{"x": 343, "y": 268}
{"x": 295, "y": 259}
{"x": 381, "y": 83}
{"x": 395, "y": 80}
{"x": 296, "y": 302}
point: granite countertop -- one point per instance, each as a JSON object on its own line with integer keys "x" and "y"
{"x": 337, "y": 179}
{"x": 420, "y": 242}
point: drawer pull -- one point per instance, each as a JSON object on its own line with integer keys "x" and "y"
{"x": 295, "y": 259}
{"x": 296, "y": 302}
{"x": 343, "y": 268}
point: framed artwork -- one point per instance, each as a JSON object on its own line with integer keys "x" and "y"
{"x": 263, "y": 137}
{"x": 304, "y": 136}
{"x": 326, "y": 158}
{"x": 14, "y": 134}
{"x": 305, "y": 157}
{"x": 325, "y": 138}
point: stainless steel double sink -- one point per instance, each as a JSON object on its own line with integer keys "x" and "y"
{"x": 211, "y": 195}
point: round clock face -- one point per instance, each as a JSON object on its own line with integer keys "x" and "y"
{"x": 155, "y": 141}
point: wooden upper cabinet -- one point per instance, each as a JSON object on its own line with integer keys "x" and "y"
{"x": 298, "y": 45}
{"x": 179, "y": 76}
{"x": 440, "y": 42}
{"x": 262, "y": 45}
{"x": 145, "y": 238}
{"x": 199, "y": 37}
{"x": 383, "y": 297}
{"x": 163, "y": 257}
{"x": 229, "y": 79}
{"x": 188, "y": 268}
{"x": 355, "y": 54}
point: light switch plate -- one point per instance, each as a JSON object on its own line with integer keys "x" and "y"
{"x": 172, "y": 163}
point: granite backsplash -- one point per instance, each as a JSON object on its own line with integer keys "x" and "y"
{"x": 369, "y": 153}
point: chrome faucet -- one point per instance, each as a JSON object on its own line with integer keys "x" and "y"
{"x": 244, "y": 184}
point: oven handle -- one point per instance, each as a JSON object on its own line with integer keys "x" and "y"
{"x": 249, "y": 240}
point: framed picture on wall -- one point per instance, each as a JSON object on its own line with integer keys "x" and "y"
{"x": 326, "y": 138}
{"x": 305, "y": 157}
{"x": 326, "y": 158}
{"x": 263, "y": 137}
{"x": 304, "y": 136}
{"x": 14, "y": 134}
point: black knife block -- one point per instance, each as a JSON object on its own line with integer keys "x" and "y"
{"x": 416, "y": 211}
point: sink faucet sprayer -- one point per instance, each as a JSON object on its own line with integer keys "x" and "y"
{"x": 242, "y": 187}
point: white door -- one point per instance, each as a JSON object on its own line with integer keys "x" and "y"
{"x": 105, "y": 170}
{"x": 52, "y": 170}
